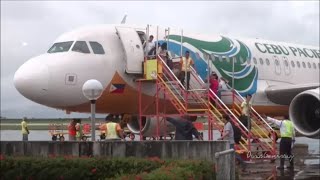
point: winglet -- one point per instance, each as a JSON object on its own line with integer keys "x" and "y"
{"x": 124, "y": 19}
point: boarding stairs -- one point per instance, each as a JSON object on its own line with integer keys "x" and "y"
{"x": 197, "y": 101}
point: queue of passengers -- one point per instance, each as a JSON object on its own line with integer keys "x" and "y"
{"x": 186, "y": 62}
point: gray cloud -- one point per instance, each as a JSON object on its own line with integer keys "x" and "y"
{"x": 40, "y": 23}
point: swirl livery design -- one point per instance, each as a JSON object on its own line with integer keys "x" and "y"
{"x": 220, "y": 55}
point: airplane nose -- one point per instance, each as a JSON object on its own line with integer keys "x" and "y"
{"x": 31, "y": 80}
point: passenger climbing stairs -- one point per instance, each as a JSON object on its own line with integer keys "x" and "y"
{"x": 259, "y": 140}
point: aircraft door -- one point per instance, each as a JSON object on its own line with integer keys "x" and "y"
{"x": 277, "y": 65}
{"x": 133, "y": 50}
{"x": 286, "y": 66}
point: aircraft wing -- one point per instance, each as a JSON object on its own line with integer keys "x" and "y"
{"x": 285, "y": 93}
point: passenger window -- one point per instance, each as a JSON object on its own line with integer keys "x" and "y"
{"x": 286, "y": 63}
{"x": 292, "y": 63}
{"x": 81, "y": 46}
{"x": 319, "y": 65}
{"x": 267, "y": 62}
{"x": 241, "y": 60}
{"x": 314, "y": 66}
{"x": 303, "y": 64}
{"x": 261, "y": 61}
{"x": 249, "y": 61}
{"x": 212, "y": 56}
{"x": 60, "y": 47}
{"x": 298, "y": 64}
{"x": 277, "y": 62}
{"x": 309, "y": 65}
{"x": 216, "y": 58}
{"x": 234, "y": 59}
{"x": 255, "y": 60}
{"x": 220, "y": 58}
{"x": 96, "y": 47}
{"x": 227, "y": 59}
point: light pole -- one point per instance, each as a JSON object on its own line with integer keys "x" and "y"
{"x": 92, "y": 90}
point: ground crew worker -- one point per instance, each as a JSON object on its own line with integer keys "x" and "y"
{"x": 112, "y": 129}
{"x": 287, "y": 139}
{"x": 24, "y": 129}
{"x": 186, "y": 63}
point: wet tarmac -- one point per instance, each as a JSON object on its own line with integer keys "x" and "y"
{"x": 267, "y": 170}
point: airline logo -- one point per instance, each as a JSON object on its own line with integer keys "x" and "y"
{"x": 219, "y": 55}
{"x": 277, "y": 49}
{"x": 117, "y": 88}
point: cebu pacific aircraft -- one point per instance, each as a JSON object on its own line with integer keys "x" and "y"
{"x": 282, "y": 77}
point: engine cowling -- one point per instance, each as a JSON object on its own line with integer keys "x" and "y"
{"x": 304, "y": 112}
{"x": 149, "y": 126}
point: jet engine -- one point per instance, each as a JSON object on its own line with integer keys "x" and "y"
{"x": 149, "y": 126}
{"x": 304, "y": 112}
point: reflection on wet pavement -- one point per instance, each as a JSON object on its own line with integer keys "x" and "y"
{"x": 265, "y": 169}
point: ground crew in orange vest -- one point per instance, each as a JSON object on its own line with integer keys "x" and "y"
{"x": 186, "y": 63}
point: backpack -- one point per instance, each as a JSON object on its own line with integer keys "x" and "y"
{"x": 236, "y": 131}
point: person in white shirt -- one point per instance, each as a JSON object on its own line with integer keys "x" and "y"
{"x": 149, "y": 46}
{"x": 228, "y": 134}
{"x": 222, "y": 86}
{"x": 164, "y": 54}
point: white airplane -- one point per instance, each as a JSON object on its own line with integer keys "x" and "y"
{"x": 283, "y": 77}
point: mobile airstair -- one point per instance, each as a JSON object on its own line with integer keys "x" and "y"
{"x": 197, "y": 101}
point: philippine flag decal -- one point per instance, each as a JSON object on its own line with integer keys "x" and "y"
{"x": 117, "y": 88}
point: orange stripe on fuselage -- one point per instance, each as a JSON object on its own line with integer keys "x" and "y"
{"x": 271, "y": 110}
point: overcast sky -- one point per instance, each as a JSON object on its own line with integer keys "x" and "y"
{"x": 29, "y": 28}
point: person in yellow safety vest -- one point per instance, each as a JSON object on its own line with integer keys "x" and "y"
{"x": 186, "y": 63}
{"x": 287, "y": 139}
{"x": 78, "y": 129}
{"x": 24, "y": 129}
{"x": 113, "y": 130}
{"x": 245, "y": 112}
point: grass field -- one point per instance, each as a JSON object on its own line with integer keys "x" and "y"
{"x": 39, "y": 124}
{"x": 43, "y": 124}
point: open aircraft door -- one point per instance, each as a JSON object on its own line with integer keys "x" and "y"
{"x": 277, "y": 65}
{"x": 131, "y": 43}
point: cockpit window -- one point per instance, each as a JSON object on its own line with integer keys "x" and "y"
{"x": 81, "y": 46}
{"x": 60, "y": 47}
{"x": 96, "y": 47}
